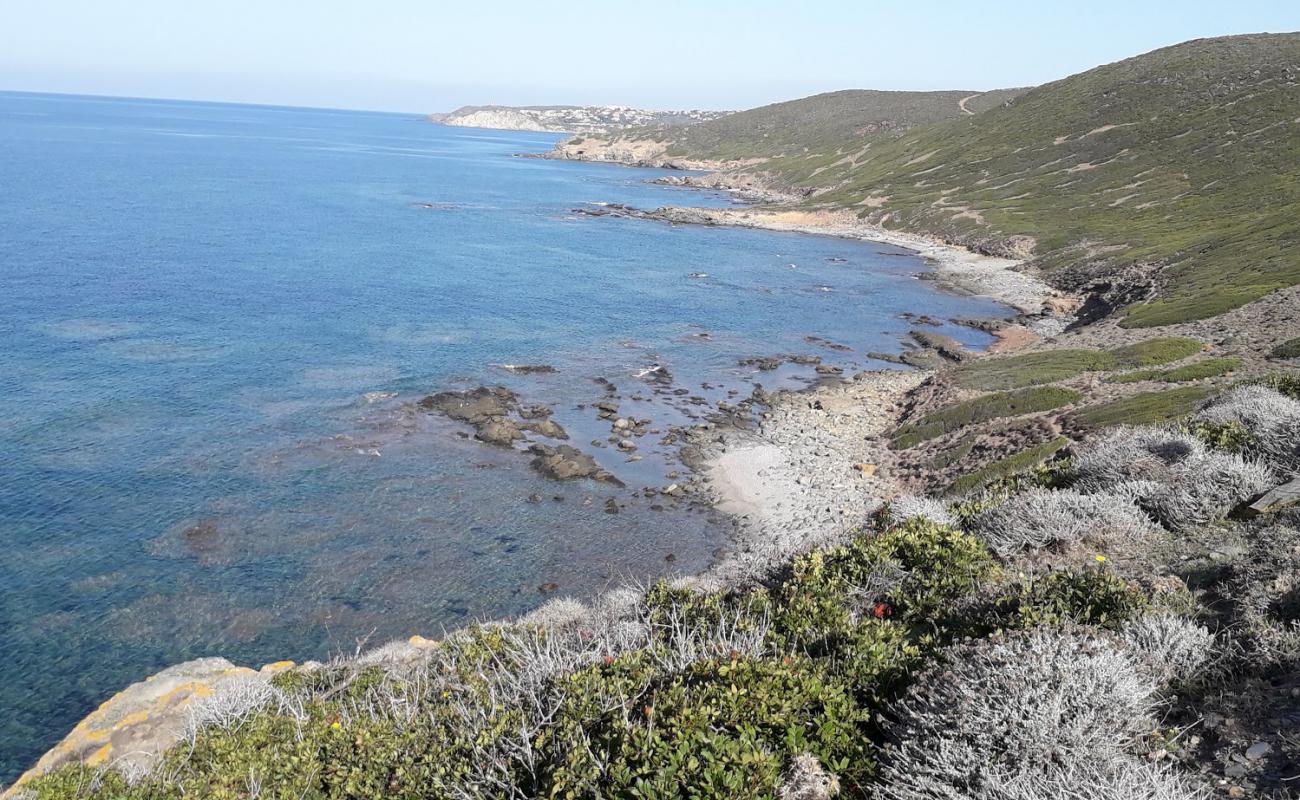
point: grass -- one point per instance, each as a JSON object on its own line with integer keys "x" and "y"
{"x": 1011, "y": 465}
{"x": 1153, "y": 352}
{"x": 982, "y": 409}
{"x": 1209, "y": 368}
{"x": 1031, "y": 369}
{"x": 1036, "y": 369}
{"x": 1288, "y": 349}
{"x": 1143, "y": 409}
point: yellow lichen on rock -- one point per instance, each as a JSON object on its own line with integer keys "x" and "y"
{"x": 136, "y": 725}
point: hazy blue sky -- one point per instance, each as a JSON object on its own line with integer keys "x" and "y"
{"x": 422, "y": 56}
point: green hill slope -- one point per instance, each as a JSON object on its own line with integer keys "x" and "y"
{"x": 798, "y": 127}
{"x": 1167, "y": 185}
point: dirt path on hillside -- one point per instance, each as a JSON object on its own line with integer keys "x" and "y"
{"x": 962, "y": 104}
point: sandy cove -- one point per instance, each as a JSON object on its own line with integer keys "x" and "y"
{"x": 819, "y": 463}
{"x": 811, "y": 472}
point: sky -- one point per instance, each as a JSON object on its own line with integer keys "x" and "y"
{"x": 421, "y": 56}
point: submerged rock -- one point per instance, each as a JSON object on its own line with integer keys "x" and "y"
{"x": 565, "y": 463}
{"x": 500, "y": 431}
{"x": 529, "y": 369}
{"x": 548, "y": 428}
{"x": 475, "y": 406}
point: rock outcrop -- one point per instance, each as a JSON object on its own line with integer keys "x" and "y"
{"x": 131, "y": 729}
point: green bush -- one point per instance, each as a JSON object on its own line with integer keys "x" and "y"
{"x": 917, "y": 569}
{"x": 1288, "y": 349}
{"x": 1155, "y": 351}
{"x": 1143, "y": 409}
{"x": 982, "y": 409}
{"x": 1031, "y": 369}
{"x": 1094, "y": 596}
{"x": 1231, "y": 437}
{"x": 721, "y": 728}
{"x": 1209, "y": 368}
{"x": 1024, "y": 461}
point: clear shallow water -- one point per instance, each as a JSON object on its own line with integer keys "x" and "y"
{"x": 196, "y": 300}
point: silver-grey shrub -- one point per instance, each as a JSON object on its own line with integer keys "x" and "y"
{"x": 1133, "y": 454}
{"x": 1042, "y": 518}
{"x": 1175, "y": 647}
{"x": 1170, "y": 475}
{"x": 1013, "y": 706}
{"x": 1272, "y": 418}
{"x": 910, "y": 506}
{"x": 1206, "y": 489}
{"x": 1122, "y": 779}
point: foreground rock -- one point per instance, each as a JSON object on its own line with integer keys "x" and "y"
{"x": 133, "y": 727}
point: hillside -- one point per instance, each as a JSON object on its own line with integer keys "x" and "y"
{"x": 812, "y": 123}
{"x": 796, "y": 127}
{"x": 1170, "y": 180}
{"x": 568, "y": 119}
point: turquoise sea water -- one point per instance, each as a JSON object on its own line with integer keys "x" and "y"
{"x": 214, "y": 318}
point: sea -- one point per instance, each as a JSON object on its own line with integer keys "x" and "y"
{"x": 215, "y": 324}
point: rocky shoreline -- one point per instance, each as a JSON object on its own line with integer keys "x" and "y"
{"x": 957, "y": 268}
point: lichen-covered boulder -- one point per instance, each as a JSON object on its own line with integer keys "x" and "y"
{"x": 135, "y": 726}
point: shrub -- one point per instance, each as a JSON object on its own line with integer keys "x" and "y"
{"x": 1286, "y": 383}
{"x": 1030, "y": 369}
{"x": 982, "y": 409}
{"x": 1288, "y": 349}
{"x": 913, "y": 572}
{"x": 1094, "y": 596}
{"x": 1142, "y": 409}
{"x": 1128, "y": 454}
{"x": 1155, "y": 351}
{"x": 1040, "y": 518}
{"x": 558, "y": 614}
{"x": 1121, "y": 779}
{"x": 910, "y": 506}
{"x": 1231, "y": 437}
{"x": 1272, "y": 420}
{"x": 1174, "y": 646}
{"x": 1013, "y": 706}
{"x": 1204, "y": 490}
{"x": 1011, "y": 465}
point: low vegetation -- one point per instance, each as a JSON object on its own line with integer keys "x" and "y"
{"x": 1031, "y": 369}
{"x": 798, "y": 127}
{"x": 1199, "y": 370}
{"x": 1050, "y": 366}
{"x": 1167, "y": 185}
{"x": 1142, "y": 409}
{"x": 1012, "y": 464}
{"x": 1288, "y": 349}
{"x": 1153, "y": 352}
{"x": 982, "y": 409}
